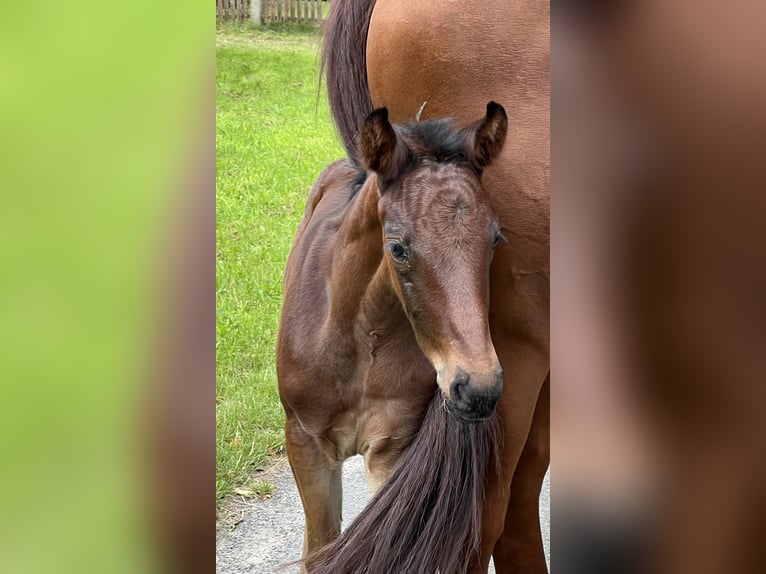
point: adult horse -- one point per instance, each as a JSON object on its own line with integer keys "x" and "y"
{"x": 455, "y": 56}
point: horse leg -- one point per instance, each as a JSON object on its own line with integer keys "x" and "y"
{"x": 520, "y": 547}
{"x": 378, "y": 466}
{"x": 526, "y": 368}
{"x": 319, "y": 483}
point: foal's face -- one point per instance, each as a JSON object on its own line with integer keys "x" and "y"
{"x": 439, "y": 237}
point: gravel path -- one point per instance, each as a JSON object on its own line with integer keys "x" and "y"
{"x": 270, "y": 533}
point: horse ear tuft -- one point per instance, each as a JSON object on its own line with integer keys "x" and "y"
{"x": 485, "y": 138}
{"x": 378, "y": 147}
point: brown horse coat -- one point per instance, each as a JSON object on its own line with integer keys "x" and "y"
{"x": 386, "y": 296}
{"x": 454, "y": 56}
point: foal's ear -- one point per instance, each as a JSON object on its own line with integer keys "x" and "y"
{"x": 378, "y": 147}
{"x": 485, "y": 137}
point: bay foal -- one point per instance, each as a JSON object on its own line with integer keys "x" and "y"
{"x": 386, "y": 300}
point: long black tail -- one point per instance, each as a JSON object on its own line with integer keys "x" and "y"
{"x": 427, "y": 516}
{"x": 344, "y": 60}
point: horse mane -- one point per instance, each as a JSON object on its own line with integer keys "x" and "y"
{"x": 344, "y": 63}
{"x": 435, "y": 139}
{"x": 427, "y": 516}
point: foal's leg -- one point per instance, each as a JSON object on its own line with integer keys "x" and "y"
{"x": 520, "y": 547}
{"x": 319, "y": 483}
{"x": 380, "y": 461}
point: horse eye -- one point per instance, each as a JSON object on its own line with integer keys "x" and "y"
{"x": 498, "y": 237}
{"x": 398, "y": 252}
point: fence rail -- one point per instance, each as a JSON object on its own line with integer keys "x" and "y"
{"x": 232, "y": 9}
{"x": 307, "y": 11}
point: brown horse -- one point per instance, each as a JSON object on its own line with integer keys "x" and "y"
{"x": 386, "y": 297}
{"x": 455, "y": 56}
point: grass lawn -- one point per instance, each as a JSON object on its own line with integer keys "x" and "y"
{"x": 273, "y": 137}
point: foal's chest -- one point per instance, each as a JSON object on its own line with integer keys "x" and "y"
{"x": 389, "y": 386}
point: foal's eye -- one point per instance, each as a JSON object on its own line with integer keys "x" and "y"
{"x": 398, "y": 251}
{"x": 498, "y": 237}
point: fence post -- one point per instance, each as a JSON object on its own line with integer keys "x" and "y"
{"x": 255, "y": 12}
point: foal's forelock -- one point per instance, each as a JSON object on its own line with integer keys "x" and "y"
{"x": 445, "y": 198}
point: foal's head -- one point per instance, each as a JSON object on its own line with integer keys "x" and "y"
{"x": 439, "y": 234}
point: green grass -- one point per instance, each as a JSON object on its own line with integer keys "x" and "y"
{"x": 273, "y": 138}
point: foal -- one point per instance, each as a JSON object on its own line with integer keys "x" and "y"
{"x": 386, "y": 297}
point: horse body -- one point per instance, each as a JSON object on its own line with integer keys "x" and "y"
{"x": 357, "y": 374}
{"x": 454, "y": 56}
{"x": 345, "y": 337}
{"x": 382, "y": 305}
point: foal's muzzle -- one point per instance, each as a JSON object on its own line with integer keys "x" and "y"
{"x": 474, "y": 397}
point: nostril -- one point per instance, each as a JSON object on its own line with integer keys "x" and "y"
{"x": 458, "y": 386}
{"x": 457, "y": 390}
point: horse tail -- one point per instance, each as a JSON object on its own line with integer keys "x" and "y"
{"x": 427, "y": 517}
{"x": 344, "y": 62}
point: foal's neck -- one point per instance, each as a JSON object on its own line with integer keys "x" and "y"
{"x": 360, "y": 283}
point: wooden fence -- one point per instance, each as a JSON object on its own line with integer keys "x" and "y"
{"x": 308, "y": 11}
{"x": 232, "y": 9}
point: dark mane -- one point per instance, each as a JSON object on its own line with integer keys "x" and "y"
{"x": 435, "y": 139}
{"x": 438, "y": 140}
{"x": 344, "y": 62}
{"x": 357, "y": 182}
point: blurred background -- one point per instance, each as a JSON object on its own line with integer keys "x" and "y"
{"x": 107, "y": 285}
{"x": 658, "y": 273}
